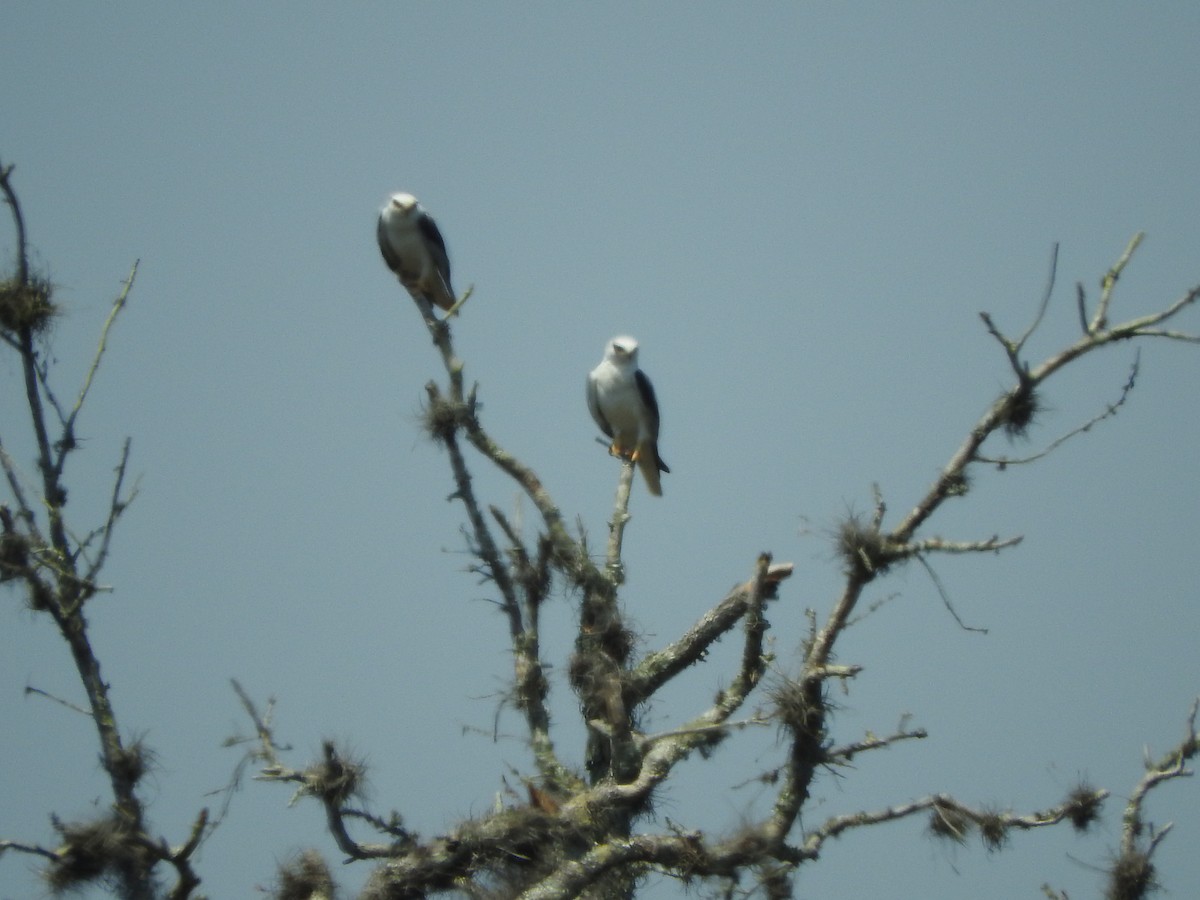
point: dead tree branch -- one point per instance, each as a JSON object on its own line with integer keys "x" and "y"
{"x": 54, "y": 567}
{"x": 1132, "y": 874}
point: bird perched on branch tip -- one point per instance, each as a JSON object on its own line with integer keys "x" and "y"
{"x": 621, "y": 400}
{"x": 413, "y": 248}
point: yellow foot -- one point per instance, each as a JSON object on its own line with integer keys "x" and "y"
{"x": 620, "y": 452}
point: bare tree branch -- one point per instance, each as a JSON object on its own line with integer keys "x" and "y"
{"x": 570, "y": 833}
{"x": 1018, "y": 399}
{"x": 847, "y": 752}
{"x": 30, "y": 849}
{"x": 29, "y": 689}
{"x": 616, "y": 526}
{"x": 955, "y": 820}
{"x": 10, "y": 197}
{"x": 1132, "y": 873}
{"x": 116, "y": 845}
{"x": 1109, "y": 281}
{"x": 659, "y": 667}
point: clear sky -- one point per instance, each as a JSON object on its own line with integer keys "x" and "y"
{"x": 798, "y": 209}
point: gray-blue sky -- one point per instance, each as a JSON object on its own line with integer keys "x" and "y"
{"x": 798, "y": 210}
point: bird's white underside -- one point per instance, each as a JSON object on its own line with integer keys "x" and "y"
{"x": 621, "y": 404}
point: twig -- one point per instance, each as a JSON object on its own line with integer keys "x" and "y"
{"x": 1170, "y": 335}
{"x": 847, "y": 752}
{"x": 948, "y": 483}
{"x": 187, "y": 880}
{"x": 1081, "y": 306}
{"x": 116, "y": 506}
{"x": 939, "y": 545}
{"x": 483, "y": 536}
{"x": 26, "y": 512}
{"x": 67, "y": 442}
{"x": 10, "y": 197}
{"x": 29, "y": 689}
{"x": 1110, "y": 410}
{"x": 954, "y": 817}
{"x": 1046, "y": 294}
{"x": 941, "y": 589}
{"x": 703, "y": 730}
{"x": 659, "y": 667}
{"x": 1010, "y": 347}
{"x": 262, "y": 724}
{"x": 531, "y": 686}
{"x": 1109, "y": 281}
{"x": 755, "y": 627}
{"x": 31, "y": 849}
{"x": 1171, "y": 765}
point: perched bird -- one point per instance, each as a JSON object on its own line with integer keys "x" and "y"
{"x": 413, "y": 248}
{"x": 622, "y": 402}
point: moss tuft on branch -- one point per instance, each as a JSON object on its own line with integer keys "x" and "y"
{"x": 1083, "y": 806}
{"x": 1021, "y": 410}
{"x": 306, "y": 877}
{"x": 863, "y": 548}
{"x": 27, "y": 306}
{"x": 1131, "y": 877}
{"x": 105, "y": 849}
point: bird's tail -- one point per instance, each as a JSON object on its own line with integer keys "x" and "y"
{"x": 651, "y": 465}
{"x": 441, "y": 297}
{"x": 442, "y": 294}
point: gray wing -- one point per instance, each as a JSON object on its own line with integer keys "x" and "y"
{"x": 436, "y": 246}
{"x": 593, "y": 401}
{"x": 385, "y": 247}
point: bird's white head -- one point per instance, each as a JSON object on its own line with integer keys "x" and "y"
{"x": 622, "y": 351}
{"x": 402, "y": 205}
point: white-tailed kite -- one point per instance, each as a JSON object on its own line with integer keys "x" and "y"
{"x": 413, "y": 248}
{"x": 622, "y": 402}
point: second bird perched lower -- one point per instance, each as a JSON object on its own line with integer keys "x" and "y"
{"x": 619, "y": 394}
{"x": 621, "y": 400}
{"x": 413, "y": 248}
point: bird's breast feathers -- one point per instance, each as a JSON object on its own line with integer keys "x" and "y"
{"x": 405, "y": 242}
{"x": 619, "y": 401}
